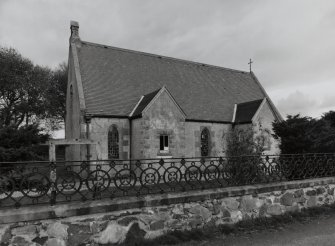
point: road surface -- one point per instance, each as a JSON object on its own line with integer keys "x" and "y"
{"x": 317, "y": 231}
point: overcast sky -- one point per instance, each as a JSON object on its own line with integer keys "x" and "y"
{"x": 292, "y": 43}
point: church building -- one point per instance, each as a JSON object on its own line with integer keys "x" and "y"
{"x": 136, "y": 105}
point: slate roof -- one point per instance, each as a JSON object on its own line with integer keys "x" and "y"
{"x": 114, "y": 80}
{"x": 144, "y": 102}
{"x": 246, "y": 111}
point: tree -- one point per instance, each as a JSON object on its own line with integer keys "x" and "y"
{"x": 21, "y": 144}
{"x": 32, "y": 98}
{"x": 329, "y": 117}
{"x": 323, "y": 134}
{"x": 246, "y": 141}
{"x": 305, "y": 134}
{"x": 22, "y": 87}
{"x": 56, "y": 96}
{"x": 30, "y": 93}
{"x": 294, "y": 133}
{"x": 244, "y": 147}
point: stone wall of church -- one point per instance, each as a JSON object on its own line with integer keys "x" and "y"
{"x": 217, "y": 140}
{"x": 264, "y": 122}
{"x": 137, "y": 139}
{"x": 145, "y": 136}
{"x": 163, "y": 117}
{"x": 99, "y": 128}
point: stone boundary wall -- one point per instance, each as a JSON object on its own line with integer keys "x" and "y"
{"x": 152, "y": 216}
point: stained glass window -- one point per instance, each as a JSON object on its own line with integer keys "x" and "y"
{"x": 113, "y": 143}
{"x": 204, "y": 139}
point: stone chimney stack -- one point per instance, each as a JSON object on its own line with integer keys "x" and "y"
{"x": 74, "y": 31}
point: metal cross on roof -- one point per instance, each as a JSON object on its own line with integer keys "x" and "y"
{"x": 250, "y": 62}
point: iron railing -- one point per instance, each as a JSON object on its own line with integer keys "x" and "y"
{"x": 28, "y": 183}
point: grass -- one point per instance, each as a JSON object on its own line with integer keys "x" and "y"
{"x": 252, "y": 225}
{"x": 172, "y": 238}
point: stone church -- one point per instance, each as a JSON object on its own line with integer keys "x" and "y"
{"x": 136, "y": 105}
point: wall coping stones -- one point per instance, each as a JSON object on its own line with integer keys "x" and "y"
{"x": 30, "y": 213}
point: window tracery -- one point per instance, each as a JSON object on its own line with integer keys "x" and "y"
{"x": 113, "y": 143}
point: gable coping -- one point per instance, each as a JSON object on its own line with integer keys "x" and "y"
{"x": 272, "y": 107}
{"x": 234, "y": 114}
{"x": 138, "y": 103}
{"x": 259, "y": 110}
{"x": 169, "y": 94}
{"x": 78, "y": 76}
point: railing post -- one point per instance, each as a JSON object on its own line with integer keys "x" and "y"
{"x": 53, "y": 173}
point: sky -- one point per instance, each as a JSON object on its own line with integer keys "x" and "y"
{"x": 291, "y": 42}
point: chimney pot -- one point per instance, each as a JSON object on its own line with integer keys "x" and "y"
{"x": 74, "y": 26}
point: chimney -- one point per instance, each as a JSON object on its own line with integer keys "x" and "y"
{"x": 74, "y": 31}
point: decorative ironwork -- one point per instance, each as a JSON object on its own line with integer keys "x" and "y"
{"x": 69, "y": 183}
{"x": 6, "y": 187}
{"x": 35, "y": 185}
{"x": 149, "y": 176}
{"x": 43, "y": 182}
{"x": 98, "y": 181}
{"x": 172, "y": 175}
{"x": 125, "y": 179}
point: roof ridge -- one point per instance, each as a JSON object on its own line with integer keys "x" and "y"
{"x": 165, "y": 57}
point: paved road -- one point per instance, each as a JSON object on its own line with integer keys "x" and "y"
{"x": 318, "y": 232}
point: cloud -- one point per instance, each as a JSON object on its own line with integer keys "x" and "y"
{"x": 292, "y": 43}
{"x": 328, "y": 103}
{"x": 297, "y": 103}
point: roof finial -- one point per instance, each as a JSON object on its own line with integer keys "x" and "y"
{"x": 250, "y": 62}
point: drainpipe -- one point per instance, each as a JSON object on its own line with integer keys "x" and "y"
{"x": 88, "y": 147}
{"x": 130, "y": 137}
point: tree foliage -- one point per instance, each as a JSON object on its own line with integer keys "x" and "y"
{"x": 56, "y": 94}
{"x": 246, "y": 141}
{"x": 329, "y": 117}
{"x": 21, "y": 144}
{"x": 15, "y": 76}
{"x": 30, "y": 93}
{"x": 32, "y": 98}
{"x": 299, "y": 134}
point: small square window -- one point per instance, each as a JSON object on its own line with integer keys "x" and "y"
{"x": 164, "y": 143}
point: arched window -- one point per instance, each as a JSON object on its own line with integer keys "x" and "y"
{"x": 113, "y": 143}
{"x": 204, "y": 140}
